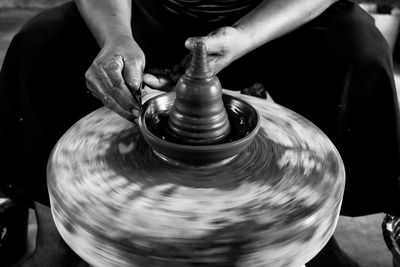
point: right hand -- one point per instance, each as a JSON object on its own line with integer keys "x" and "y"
{"x": 115, "y": 77}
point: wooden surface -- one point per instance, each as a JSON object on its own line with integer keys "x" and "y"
{"x": 116, "y": 204}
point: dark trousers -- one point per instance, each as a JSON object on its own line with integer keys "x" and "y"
{"x": 336, "y": 71}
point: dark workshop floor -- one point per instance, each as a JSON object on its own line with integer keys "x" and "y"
{"x": 360, "y": 237}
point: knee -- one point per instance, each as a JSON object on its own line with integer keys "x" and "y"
{"x": 367, "y": 60}
{"x": 369, "y": 50}
{"x": 358, "y": 41}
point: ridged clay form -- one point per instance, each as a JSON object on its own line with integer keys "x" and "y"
{"x": 198, "y": 116}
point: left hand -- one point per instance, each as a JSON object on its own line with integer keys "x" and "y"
{"x": 224, "y": 45}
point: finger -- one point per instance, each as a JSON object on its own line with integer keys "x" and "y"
{"x": 110, "y": 103}
{"x": 156, "y": 82}
{"x": 93, "y": 86}
{"x": 132, "y": 73}
{"x": 191, "y": 41}
{"x": 111, "y": 77}
{"x": 214, "y": 43}
{"x": 100, "y": 85}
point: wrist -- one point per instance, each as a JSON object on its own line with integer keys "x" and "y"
{"x": 117, "y": 39}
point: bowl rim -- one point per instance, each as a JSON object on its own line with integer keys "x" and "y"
{"x": 196, "y": 148}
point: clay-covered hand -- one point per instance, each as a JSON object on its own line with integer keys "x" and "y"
{"x": 224, "y": 45}
{"x": 165, "y": 79}
{"x": 115, "y": 77}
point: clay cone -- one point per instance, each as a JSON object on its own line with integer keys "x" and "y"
{"x": 198, "y": 115}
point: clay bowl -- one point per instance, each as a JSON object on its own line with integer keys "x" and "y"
{"x": 244, "y": 120}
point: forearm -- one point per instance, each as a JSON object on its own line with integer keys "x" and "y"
{"x": 108, "y": 20}
{"x": 275, "y": 18}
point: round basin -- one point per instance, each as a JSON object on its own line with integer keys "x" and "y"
{"x": 153, "y": 123}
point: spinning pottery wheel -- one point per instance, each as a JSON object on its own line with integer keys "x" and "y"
{"x": 253, "y": 191}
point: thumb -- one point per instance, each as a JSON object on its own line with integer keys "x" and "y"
{"x": 191, "y": 41}
{"x": 213, "y": 42}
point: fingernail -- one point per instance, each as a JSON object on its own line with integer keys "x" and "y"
{"x": 189, "y": 43}
{"x": 136, "y": 85}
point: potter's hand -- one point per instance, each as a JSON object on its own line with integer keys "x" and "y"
{"x": 224, "y": 46}
{"x": 115, "y": 77}
{"x": 165, "y": 79}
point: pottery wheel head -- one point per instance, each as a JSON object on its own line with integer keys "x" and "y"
{"x": 116, "y": 203}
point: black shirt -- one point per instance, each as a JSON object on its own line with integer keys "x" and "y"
{"x": 210, "y": 10}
